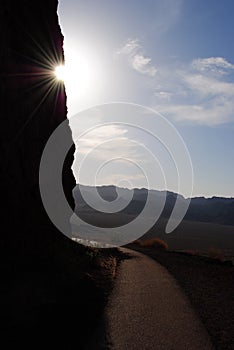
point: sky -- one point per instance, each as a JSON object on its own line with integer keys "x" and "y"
{"x": 174, "y": 56}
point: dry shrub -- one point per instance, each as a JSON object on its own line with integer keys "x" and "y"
{"x": 137, "y": 241}
{"x": 193, "y": 252}
{"x": 215, "y": 253}
{"x": 155, "y": 243}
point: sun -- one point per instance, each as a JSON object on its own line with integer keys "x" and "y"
{"x": 83, "y": 76}
{"x": 77, "y": 72}
{"x": 60, "y": 72}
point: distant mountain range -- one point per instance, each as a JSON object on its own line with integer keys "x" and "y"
{"x": 217, "y": 210}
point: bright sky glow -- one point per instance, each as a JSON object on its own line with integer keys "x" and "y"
{"x": 60, "y": 72}
{"x": 172, "y": 55}
{"x": 79, "y": 73}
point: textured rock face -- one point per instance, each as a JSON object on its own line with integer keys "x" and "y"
{"x": 32, "y": 105}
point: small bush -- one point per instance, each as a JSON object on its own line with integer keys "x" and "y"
{"x": 215, "y": 253}
{"x": 137, "y": 241}
{"x": 193, "y": 252}
{"x": 155, "y": 243}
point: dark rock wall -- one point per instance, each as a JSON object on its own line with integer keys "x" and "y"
{"x": 32, "y": 105}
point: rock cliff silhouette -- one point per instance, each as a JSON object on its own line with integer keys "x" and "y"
{"x": 32, "y": 105}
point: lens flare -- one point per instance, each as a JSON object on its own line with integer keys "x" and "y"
{"x": 60, "y": 72}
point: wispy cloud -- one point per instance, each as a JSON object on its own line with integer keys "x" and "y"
{"x": 143, "y": 65}
{"x": 201, "y": 92}
{"x": 215, "y": 113}
{"x": 108, "y": 153}
{"x": 101, "y": 137}
{"x": 213, "y": 64}
{"x": 107, "y": 142}
{"x": 163, "y": 95}
{"x": 133, "y": 51}
{"x": 208, "y": 86}
{"x": 129, "y": 48}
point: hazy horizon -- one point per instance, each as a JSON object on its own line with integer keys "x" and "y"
{"x": 151, "y": 189}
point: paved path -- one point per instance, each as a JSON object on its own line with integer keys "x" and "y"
{"x": 148, "y": 311}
